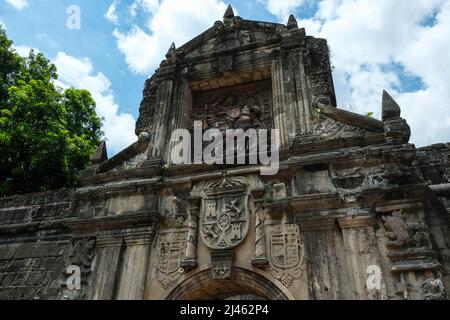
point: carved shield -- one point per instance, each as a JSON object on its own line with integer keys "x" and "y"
{"x": 171, "y": 250}
{"x": 285, "y": 247}
{"x": 224, "y": 221}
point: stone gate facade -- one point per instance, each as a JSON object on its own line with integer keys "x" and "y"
{"x": 355, "y": 211}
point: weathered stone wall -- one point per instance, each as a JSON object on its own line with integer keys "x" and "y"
{"x": 344, "y": 210}
{"x": 434, "y": 163}
{"x": 33, "y": 244}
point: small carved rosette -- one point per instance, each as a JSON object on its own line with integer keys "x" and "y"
{"x": 287, "y": 254}
{"x": 225, "y": 214}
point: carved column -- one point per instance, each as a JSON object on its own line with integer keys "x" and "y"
{"x": 260, "y": 259}
{"x": 190, "y": 258}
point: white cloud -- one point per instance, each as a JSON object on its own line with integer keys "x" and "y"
{"x": 79, "y": 73}
{"x": 148, "y": 5}
{"x": 283, "y": 8}
{"x": 111, "y": 13}
{"x": 368, "y": 37}
{"x": 18, "y": 4}
{"x": 170, "y": 21}
{"x": 24, "y": 51}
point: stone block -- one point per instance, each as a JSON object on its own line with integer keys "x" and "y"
{"x": 24, "y": 251}
{"x": 7, "y": 252}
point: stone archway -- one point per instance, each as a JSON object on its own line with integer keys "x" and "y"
{"x": 245, "y": 283}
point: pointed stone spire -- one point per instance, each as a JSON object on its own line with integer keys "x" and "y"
{"x": 292, "y": 23}
{"x": 229, "y": 14}
{"x": 390, "y": 108}
{"x": 171, "y": 50}
{"x": 100, "y": 155}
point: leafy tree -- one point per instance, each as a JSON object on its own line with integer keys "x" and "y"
{"x": 46, "y": 134}
{"x": 9, "y": 64}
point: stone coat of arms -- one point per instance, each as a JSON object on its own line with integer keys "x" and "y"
{"x": 287, "y": 255}
{"x": 171, "y": 248}
{"x": 225, "y": 214}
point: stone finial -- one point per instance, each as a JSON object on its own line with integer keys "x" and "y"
{"x": 292, "y": 23}
{"x": 100, "y": 155}
{"x": 229, "y": 14}
{"x": 171, "y": 50}
{"x": 390, "y": 108}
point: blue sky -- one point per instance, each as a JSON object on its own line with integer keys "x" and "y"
{"x": 376, "y": 44}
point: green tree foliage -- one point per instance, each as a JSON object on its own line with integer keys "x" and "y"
{"x": 46, "y": 134}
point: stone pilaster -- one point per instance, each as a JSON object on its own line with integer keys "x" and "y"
{"x": 159, "y": 128}
{"x": 180, "y": 117}
{"x": 107, "y": 266}
{"x": 134, "y": 266}
{"x": 362, "y": 255}
{"x": 279, "y": 101}
{"x": 292, "y": 107}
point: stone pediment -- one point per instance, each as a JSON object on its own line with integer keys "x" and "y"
{"x": 236, "y": 33}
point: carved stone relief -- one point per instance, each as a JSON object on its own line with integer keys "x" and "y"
{"x": 225, "y": 214}
{"x": 402, "y": 234}
{"x": 242, "y": 106}
{"x": 260, "y": 259}
{"x": 81, "y": 255}
{"x": 287, "y": 252}
{"x": 433, "y": 288}
{"x": 222, "y": 264}
{"x": 171, "y": 250}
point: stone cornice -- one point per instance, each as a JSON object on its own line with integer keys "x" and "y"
{"x": 136, "y": 186}
{"x": 125, "y": 221}
{"x": 146, "y": 177}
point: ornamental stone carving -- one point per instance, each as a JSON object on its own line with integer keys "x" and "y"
{"x": 287, "y": 252}
{"x": 171, "y": 250}
{"x": 225, "y": 213}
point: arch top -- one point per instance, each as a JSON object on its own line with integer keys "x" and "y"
{"x": 244, "y": 282}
